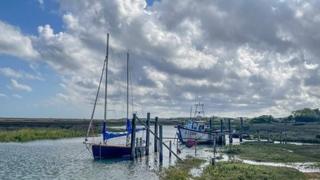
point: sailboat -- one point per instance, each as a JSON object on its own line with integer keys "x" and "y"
{"x": 103, "y": 150}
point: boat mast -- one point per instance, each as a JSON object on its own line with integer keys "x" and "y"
{"x": 106, "y": 82}
{"x": 127, "y": 85}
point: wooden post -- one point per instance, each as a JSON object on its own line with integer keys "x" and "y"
{"x": 211, "y": 129}
{"x": 230, "y": 134}
{"x": 148, "y": 134}
{"x": 155, "y": 134}
{"x": 241, "y": 128}
{"x": 133, "y": 137}
{"x": 214, "y": 150}
{"x": 177, "y": 146}
{"x": 160, "y": 144}
{"x": 170, "y": 147}
{"x": 259, "y": 135}
{"x": 195, "y": 148}
{"x": 221, "y": 132}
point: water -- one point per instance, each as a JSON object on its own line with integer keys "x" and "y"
{"x": 69, "y": 159}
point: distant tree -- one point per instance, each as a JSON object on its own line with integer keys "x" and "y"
{"x": 263, "y": 119}
{"x": 306, "y": 115}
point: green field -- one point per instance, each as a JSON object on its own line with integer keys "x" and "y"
{"x": 268, "y": 152}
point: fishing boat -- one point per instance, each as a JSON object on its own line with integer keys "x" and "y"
{"x": 195, "y": 130}
{"x": 103, "y": 149}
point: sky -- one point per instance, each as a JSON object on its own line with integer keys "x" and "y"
{"x": 238, "y": 57}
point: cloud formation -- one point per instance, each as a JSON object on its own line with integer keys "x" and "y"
{"x": 11, "y": 73}
{"x": 243, "y": 58}
{"x": 19, "y": 86}
{"x": 13, "y": 42}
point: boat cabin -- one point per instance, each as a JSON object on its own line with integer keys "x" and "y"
{"x": 197, "y": 125}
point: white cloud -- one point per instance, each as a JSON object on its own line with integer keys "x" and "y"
{"x": 13, "y": 42}
{"x": 310, "y": 66}
{"x": 17, "y": 96}
{"x": 19, "y": 86}
{"x": 239, "y": 60}
{"x": 11, "y": 73}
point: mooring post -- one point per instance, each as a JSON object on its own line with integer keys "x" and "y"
{"x": 170, "y": 147}
{"x": 258, "y": 131}
{"x": 155, "y": 134}
{"x": 133, "y": 137}
{"x": 230, "y": 134}
{"x": 177, "y": 146}
{"x": 241, "y": 129}
{"x": 137, "y": 147}
{"x": 160, "y": 144}
{"x": 222, "y": 133}
{"x": 214, "y": 150}
{"x": 148, "y": 134}
{"x": 211, "y": 129}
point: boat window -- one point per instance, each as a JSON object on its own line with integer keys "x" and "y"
{"x": 194, "y": 126}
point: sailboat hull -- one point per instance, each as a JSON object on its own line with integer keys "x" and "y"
{"x": 103, "y": 151}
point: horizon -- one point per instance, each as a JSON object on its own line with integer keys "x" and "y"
{"x": 239, "y": 58}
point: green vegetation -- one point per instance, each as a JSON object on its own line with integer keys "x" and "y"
{"x": 263, "y": 119}
{"x": 306, "y": 132}
{"x": 181, "y": 170}
{"x": 313, "y": 175}
{"x": 238, "y": 170}
{"x": 231, "y": 170}
{"x": 27, "y": 134}
{"x": 306, "y": 115}
{"x": 276, "y": 152}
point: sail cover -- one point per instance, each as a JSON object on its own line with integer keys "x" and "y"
{"x": 109, "y": 135}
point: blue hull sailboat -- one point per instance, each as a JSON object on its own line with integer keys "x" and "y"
{"x": 102, "y": 149}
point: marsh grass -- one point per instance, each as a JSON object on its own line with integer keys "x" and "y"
{"x": 238, "y": 170}
{"x": 181, "y": 169}
{"x": 276, "y": 152}
{"x": 28, "y": 134}
{"x": 230, "y": 170}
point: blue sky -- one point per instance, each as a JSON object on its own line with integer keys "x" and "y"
{"x": 27, "y": 16}
{"x": 240, "y": 58}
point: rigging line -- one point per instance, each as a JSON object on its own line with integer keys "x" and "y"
{"x": 95, "y": 101}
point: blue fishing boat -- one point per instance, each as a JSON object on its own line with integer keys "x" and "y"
{"x": 102, "y": 149}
